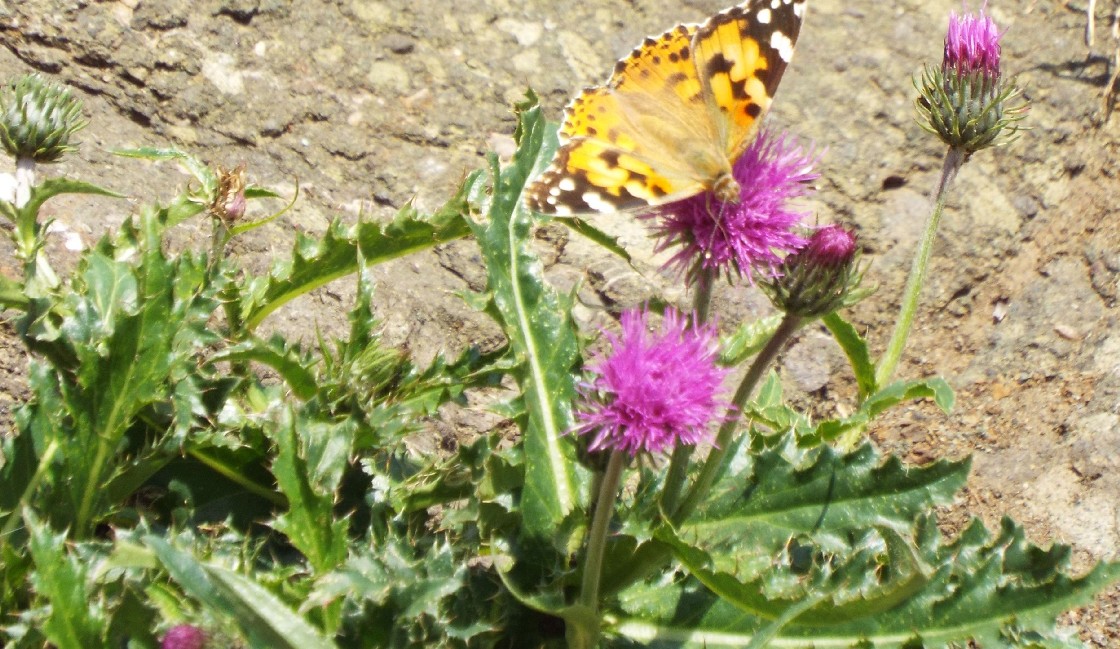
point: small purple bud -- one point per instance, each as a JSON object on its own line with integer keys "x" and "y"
{"x": 821, "y": 277}
{"x": 831, "y": 246}
{"x": 235, "y": 207}
{"x": 229, "y": 201}
{"x": 184, "y": 636}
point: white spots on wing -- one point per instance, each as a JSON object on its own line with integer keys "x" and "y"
{"x": 783, "y": 45}
{"x": 565, "y": 185}
{"x": 595, "y": 201}
{"x": 763, "y": 16}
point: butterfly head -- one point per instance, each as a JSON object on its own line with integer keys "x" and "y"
{"x": 727, "y": 189}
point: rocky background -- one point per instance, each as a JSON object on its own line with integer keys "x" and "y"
{"x": 370, "y": 104}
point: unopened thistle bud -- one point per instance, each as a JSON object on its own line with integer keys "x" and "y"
{"x": 229, "y": 201}
{"x": 967, "y": 102}
{"x": 38, "y": 118}
{"x": 820, "y": 278}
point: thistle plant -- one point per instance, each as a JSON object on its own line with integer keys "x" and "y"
{"x": 970, "y": 105}
{"x": 161, "y": 491}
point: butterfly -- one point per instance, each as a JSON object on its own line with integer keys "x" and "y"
{"x": 674, "y": 116}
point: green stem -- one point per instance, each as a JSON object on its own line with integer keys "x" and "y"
{"x": 702, "y": 299}
{"x": 32, "y": 486}
{"x": 954, "y": 158}
{"x": 722, "y": 444}
{"x": 682, "y": 454}
{"x": 597, "y": 540}
{"x": 26, "y": 226}
{"x": 93, "y": 487}
{"x": 239, "y": 479}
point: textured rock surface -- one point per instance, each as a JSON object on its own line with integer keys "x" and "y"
{"x": 369, "y": 104}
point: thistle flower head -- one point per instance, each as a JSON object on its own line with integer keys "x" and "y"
{"x": 184, "y": 636}
{"x": 967, "y": 102}
{"x": 972, "y": 44}
{"x": 38, "y": 118}
{"x": 653, "y": 390}
{"x": 821, "y": 277}
{"x": 753, "y": 234}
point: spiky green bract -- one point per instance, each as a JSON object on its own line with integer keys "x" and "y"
{"x": 970, "y": 111}
{"x": 536, "y": 322}
{"x": 38, "y": 118}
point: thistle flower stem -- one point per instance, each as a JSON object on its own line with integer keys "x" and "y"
{"x": 682, "y": 454}
{"x": 25, "y": 220}
{"x": 25, "y": 180}
{"x": 702, "y": 300}
{"x": 954, "y": 158}
{"x": 722, "y": 444}
{"x": 597, "y": 537}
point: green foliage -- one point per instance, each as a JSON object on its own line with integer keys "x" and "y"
{"x": 156, "y": 477}
{"x": 536, "y": 321}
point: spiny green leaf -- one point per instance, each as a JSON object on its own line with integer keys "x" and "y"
{"x": 593, "y": 233}
{"x": 52, "y": 187}
{"x": 287, "y": 362}
{"x": 336, "y": 254}
{"x": 763, "y": 500}
{"x": 855, "y": 347}
{"x": 74, "y": 620}
{"x": 265, "y": 620}
{"x": 998, "y": 592}
{"x": 875, "y": 404}
{"x": 201, "y": 172}
{"x": 308, "y": 468}
{"x": 747, "y": 340}
{"x": 411, "y": 585}
{"x": 536, "y": 322}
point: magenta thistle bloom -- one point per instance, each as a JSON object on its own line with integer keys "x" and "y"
{"x": 654, "y": 390}
{"x": 753, "y": 234}
{"x": 184, "y": 636}
{"x": 972, "y": 44}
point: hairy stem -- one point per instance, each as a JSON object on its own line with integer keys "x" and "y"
{"x": 954, "y": 158}
{"x": 597, "y": 540}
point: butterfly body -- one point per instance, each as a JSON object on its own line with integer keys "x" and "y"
{"x": 674, "y": 116}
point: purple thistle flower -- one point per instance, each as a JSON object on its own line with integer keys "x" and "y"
{"x": 972, "y": 44}
{"x": 753, "y": 234}
{"x": 654, "y": 390}
{"x": 184, "y": 636}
